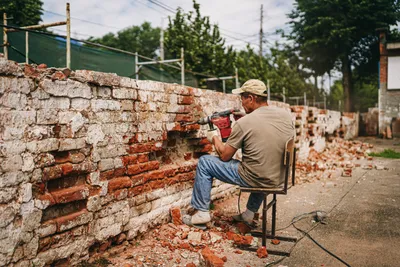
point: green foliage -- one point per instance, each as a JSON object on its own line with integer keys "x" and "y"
{"x": 22, "y": 12}
{"x": 204, "y": 47}
{"x": 387, "y": 153}
{"x": 332, "y": 33}
{"x": 143, "y": 39}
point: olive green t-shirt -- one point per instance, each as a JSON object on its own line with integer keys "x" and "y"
{"x": 262, "y": 136}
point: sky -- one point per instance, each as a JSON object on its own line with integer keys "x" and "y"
{"x": 239, "y": 20}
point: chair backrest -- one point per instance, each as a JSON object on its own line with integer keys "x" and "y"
{"x": 289, "y": 161}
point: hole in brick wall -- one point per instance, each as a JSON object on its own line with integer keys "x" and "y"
{"x": 65, "y": 182}
{"x": 63, "y": 209}
{"x": 61, "y": 263}
{"x": 152, "y": 156}
{"x": 197, "y": 155}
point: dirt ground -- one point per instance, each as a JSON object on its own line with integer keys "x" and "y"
{"x": 361, "y": 226}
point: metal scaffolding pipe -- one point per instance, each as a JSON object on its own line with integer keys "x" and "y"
{"x": 182, "y": 66}
{"x": 5, "y": 41}
{"x": 68, "y": 37}
{"x": 27, "y": 47}
{"x": 40, "y": 26}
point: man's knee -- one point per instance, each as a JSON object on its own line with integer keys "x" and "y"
{"x": 204, "y": 161}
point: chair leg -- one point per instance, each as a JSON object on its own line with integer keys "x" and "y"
{"x": 273, "y": 227}
{"x": 264, "y": 222}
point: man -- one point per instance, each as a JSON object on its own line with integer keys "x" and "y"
{"x": 261, "y": 135}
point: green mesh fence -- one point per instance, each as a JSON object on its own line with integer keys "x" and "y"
{"x": 51, "y": 51}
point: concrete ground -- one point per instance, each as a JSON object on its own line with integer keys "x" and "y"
{"x": 362, "y": 225}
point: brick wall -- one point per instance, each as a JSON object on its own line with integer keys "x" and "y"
{"x": 389, "y": 100}
{"x": 90, "y": 158}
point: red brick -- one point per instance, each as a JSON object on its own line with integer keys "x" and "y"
{"x": 153, "y": 175}
{"x": 67, "y": 168}
{"x": 156, "y": 184}
{"x": 153, "y": 165}
{"x": 129, "y": 160}
{"x": 134, "y": 191}
{"x": 182, "y": 177}
{"x": 185, "y": 100}
{"x": 211, "y": 259}
{"x": 47, "y": 197}
{"x": 176, "y": 215}
{"x": 120, "y": 194}
{"x": 58, "y": 76}
{"x": 191, "y": 265}
{"x": 166, "y": 160}
{"x": 183, "y": 118}
{"x": 172, "y": 181}
{"x": 31, "y": 71}
{"x": 143, "y": 158}
{"x": 243, "y": 228}
{"x": 70, "y": 194}
{"x": 134, "y": 169}
{"x": 51, "y": 173}
{"x": 107, "y": 175}
{"x": 119, "y": 172}
{"x": 169, "y": 172}
{"x": 65, "y": 220}
{"x": 187, "y": 156}
{"x": 119, "y": 183}
{"x": 137, "y": 180}
{"x": 262, "y": 252}
{"x": 140, "y": 148}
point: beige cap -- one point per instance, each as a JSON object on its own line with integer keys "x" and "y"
{"x": 253, "y": 86}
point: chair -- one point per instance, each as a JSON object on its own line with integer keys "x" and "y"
{"x": 289, "y": 161}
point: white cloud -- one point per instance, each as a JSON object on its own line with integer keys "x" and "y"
{"x": 237, "y": 18}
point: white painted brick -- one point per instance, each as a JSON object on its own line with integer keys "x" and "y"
{"x": 54, "y": 103}
{"x": 80, "y": 104}
{"x": 28, "y": 162}
{"x": 106, "y": 164}
{"x": 45, "y": 145}
{"x": 12, "y": 148}
{"x": 13, "y": 100}
{"x": 11, "y": 164}
{"x": 71, "y": 144}
{"x": 7, "y": 194}
{"x": 104, "y": 92}
{"x": 17, "y": 118}
{"x": 11, "y": 84}
{"x": 47, "y": 116}
{"x": 124, "y": 93}
{"x": 69, "y": 88}
{"x": 98, "y": 105}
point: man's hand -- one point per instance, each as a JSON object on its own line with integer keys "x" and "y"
{"x": 211, "y": 134}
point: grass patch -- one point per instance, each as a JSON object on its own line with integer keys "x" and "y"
{"x": 387, "y": 153}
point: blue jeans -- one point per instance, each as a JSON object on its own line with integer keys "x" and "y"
{"x": 209, "y": 167}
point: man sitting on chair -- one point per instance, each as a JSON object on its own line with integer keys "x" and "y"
{"x": 261, "y": 135}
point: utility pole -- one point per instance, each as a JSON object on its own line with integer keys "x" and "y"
{"x": 162, "y": 40}
{"x": 261, "y": 30}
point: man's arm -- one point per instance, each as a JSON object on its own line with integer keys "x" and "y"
{"x": 224, "y": 151}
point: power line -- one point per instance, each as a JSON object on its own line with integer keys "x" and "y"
{"x": 83, "y": 20}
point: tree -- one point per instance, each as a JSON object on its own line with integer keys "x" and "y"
{"x": 143, "y": 39}
{"x": 339, "y": 32}
{"x": 22, "y": 12}
{"x": 205, "y": 50}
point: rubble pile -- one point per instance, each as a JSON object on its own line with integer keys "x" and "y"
{"x": 188, "y": 246}
{"x": 338, "y": 158}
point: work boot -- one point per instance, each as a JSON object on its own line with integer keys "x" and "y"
{"x": 198, "y": 220}
{"x": 245, "y": 217}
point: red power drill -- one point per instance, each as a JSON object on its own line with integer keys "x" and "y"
{"x": 222, "y": 121}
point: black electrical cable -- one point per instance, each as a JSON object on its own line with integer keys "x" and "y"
{"x": 318, "y": 244}
{"x": 22, "y": 54}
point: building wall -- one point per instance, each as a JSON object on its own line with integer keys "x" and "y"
{"x": 389, "y": 100}
{"x": 88, "y": 158}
